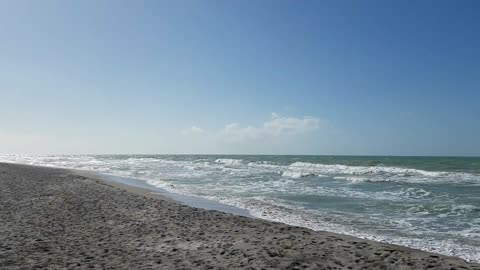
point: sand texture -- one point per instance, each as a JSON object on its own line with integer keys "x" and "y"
{"x": 57, "y": 219}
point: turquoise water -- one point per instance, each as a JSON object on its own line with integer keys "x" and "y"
{"x": 431, "y": 203}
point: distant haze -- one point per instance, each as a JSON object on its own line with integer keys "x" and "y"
{"x": 240, "y": 77}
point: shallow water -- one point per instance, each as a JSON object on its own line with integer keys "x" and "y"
{"x": 192, "y": 201}
{"x": 431, "y": 203}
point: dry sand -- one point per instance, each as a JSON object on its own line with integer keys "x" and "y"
{"x": 55, "y": 219}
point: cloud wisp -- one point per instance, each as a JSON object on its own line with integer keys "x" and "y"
{"x": 192, "y": 130}
{"x": 276, "y": 126}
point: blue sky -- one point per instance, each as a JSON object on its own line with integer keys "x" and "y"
{"x": 246, "y": 77}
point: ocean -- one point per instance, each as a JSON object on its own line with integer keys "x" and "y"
{"x": 429, "y": 203}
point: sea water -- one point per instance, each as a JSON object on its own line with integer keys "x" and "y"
{"x": 429, "y": 203}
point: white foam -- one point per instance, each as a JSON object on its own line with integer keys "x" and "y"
{"x": 379, "y": 173}
{"x": 296, "y": 174}
{"x": 416, "y": 192}
{"x": 229, "y": 161}
{"x": 241, "y": 168}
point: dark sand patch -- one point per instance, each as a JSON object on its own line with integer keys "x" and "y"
{"x": 53, "y": 218}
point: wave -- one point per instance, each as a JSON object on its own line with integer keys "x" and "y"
{"x": 296, "y": 174}
{"x": 375, "y": 173}
{"x": 229, "y": 161}
{"x": 243, "y": 168}
{"x": 460, "y": 211}
{"x": 363, "y": 170}
{"x": 419, "y": 193}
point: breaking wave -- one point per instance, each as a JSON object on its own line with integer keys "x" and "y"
{"x": 375, "y": 173}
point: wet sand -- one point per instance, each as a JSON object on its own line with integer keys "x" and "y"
{"x": 55, "y": 219}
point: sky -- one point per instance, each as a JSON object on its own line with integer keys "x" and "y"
{"x": 240, "y": 77}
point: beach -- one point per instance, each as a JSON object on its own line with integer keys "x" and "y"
{"x": 57, "y": 218}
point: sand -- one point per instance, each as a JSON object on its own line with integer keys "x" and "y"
{"x": 55, "y": 219}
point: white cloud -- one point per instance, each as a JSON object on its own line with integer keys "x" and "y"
{"x": 281, "y": 125}
{"x": 192, "y": 130}
{"x": 277, "y": 130}
{"x": 275, "y": 127}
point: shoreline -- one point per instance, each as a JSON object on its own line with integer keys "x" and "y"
{"x": 187, "y": 200}
{"x": 67, "y": 218}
